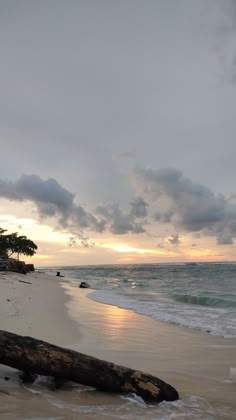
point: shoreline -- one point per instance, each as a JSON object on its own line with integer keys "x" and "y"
{"x": 194, "y": 362}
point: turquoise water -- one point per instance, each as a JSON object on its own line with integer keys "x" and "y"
{"x": 196, "y": 295}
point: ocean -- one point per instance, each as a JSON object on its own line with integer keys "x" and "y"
{"x": 194, "y": 295}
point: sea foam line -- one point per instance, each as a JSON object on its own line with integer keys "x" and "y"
{"x": 216, "y": 321}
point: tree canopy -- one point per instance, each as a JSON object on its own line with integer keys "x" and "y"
{"x": 12, "y": 243}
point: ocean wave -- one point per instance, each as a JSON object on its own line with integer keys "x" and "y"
{"x": 131, "y": 407}
{"x": 195, "y": 295}
{"x": 216, "y": 321}
{"x": 227, "y": 301}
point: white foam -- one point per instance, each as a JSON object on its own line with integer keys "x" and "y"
{"x": 135, "y": 399}
{"x": 216, "y": 321}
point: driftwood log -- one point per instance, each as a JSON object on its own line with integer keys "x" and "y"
{"x": 32, "y": 356}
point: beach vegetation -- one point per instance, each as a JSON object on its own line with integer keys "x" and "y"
{"x": 14, "y": 244}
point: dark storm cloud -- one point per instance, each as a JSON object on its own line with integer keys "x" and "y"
{"x": 190, "y": 206}
{"x": 7, "y": 190}
{"x": 171, "y": 198}
{"x": 48, "y": 196}
{"x": 139, "y": 207}
{"x": 52, "y": 200}
{"x": 121, "y": 222}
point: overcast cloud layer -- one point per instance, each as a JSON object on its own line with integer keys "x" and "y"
{"x": 103, "y": 100}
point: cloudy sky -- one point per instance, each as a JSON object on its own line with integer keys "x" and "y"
{"x": 117, "y": 129}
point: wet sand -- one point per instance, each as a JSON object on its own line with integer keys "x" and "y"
{"x": 195, "y": 363}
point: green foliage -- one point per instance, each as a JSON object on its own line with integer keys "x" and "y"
{"x": 12, "y": 243}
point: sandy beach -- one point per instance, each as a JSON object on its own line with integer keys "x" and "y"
{"x": 34, "y": 305}
{"x": 198, "y": 365}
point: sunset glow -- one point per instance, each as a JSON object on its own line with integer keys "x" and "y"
{"x": 130, "y": 249}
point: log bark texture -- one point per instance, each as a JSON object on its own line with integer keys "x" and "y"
{"x": 35, "y": 356}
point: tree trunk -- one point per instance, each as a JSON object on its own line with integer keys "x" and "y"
{"x": 35, "y": 356}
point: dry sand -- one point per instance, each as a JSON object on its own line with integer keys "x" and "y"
{"x": 34, "y": 305}
{"x": 197, "y": 364}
